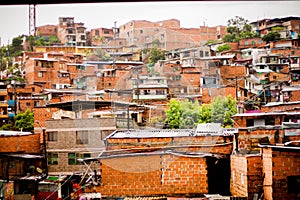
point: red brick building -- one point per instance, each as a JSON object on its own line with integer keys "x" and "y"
{"x": 46, "y": 30}
{"x": 266, "y": 142}
{"x": 157, "y": 162}
{"x": 168, "y": 34}
{"x": 99, "y": 36}
{"x": 22, "y": 164}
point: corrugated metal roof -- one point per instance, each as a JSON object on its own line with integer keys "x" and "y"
{"x": 218, "y": 57}
{"x": 287, "y": 89}
{"x": 152, "y": 133}
{"x": 201, "y": 130}
{"x": 14, "y": 133}
{"x": 26, "y": 156}
{"x": 265, "y": 114}
{"x": 144, "y": 86}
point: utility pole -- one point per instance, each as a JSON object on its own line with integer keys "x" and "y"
{"x": 32, "y": 19}
{"x": 44, "y": 147}
{"x": 128, "y": 127}
{"x": 236, "y": 88}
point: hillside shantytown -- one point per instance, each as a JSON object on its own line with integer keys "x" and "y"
{"x": 142, "y": 111}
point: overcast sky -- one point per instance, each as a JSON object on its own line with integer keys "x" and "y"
{"x": 14, "y": 19}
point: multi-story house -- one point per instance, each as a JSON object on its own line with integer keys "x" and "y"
{"x": 166, "y": 34}
{"x": 100, "y": 36}
{"x": 247, "y": 43}
{"x": 81, "y": 35}
{"x": 182, "y": 68}
{"x": 23, "y": 97}
{"x": 149, "y": 88}
{"x": 287, "y": 27}
{"x": 295, "y": 70}
{"x": 113, "y": 75}
{"x": 253, "y": 54}
{"x": 55, "y": 70}
{"x": 71, "y": 133}
{"x": 71, "y": 33}
{"x": 5, "y": 110}
{"x": 213, "y": 82}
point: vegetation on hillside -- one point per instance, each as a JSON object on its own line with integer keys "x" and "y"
{"x": 187, "y": 114}
{"x": 238, "y": 28}
{"x": 223, "y": 47}
{"x": 272, "y": 36}
{"x": 23, "y": 121}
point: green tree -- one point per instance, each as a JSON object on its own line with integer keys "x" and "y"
{"x": 190, "y": 113}
{"x": 236, "y": 24}
{"x": 16, "y": 46}
{"x": 222, "y": 109}
{"x": 156, "y": 43}
{"x": 230, "y": 38}
{"x": 237, "y": 29}
{"x": 173, "y": 114}
{"x": 182, "y": 114}
{"x": 211, "y": 42}
{"x": 272, "y": 36}
{"x": 24, "y": 121}
{"x": 53, "y": 39}
{"x": 205, "y": 114}
{"x": 6, "y": 127}
{"x": 231, "y": 109}
{"x": 155, "y": 55}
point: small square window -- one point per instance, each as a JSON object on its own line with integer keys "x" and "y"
{"x": 52, "y": 158}
{"x": 52, "y": 136}
{"x": 82, "y": 137}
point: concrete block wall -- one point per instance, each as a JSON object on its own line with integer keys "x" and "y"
{"x": 152, "y": 175}
{"x": 63, "y": 166}
{"x": 66, "y": 132}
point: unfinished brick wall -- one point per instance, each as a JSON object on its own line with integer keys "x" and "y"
{"x": 20, "y": 143}
{"x": 47, "y": 30}
{"x": 227, "y": 71}
{"x": 290, "y": 107}
{"x": 278, "y": 164}
{"x": 152, "y": 175}
{"x": 246, "y": 175}
{"x": 204, "y": 144}
{"x": 248, "y": 139}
